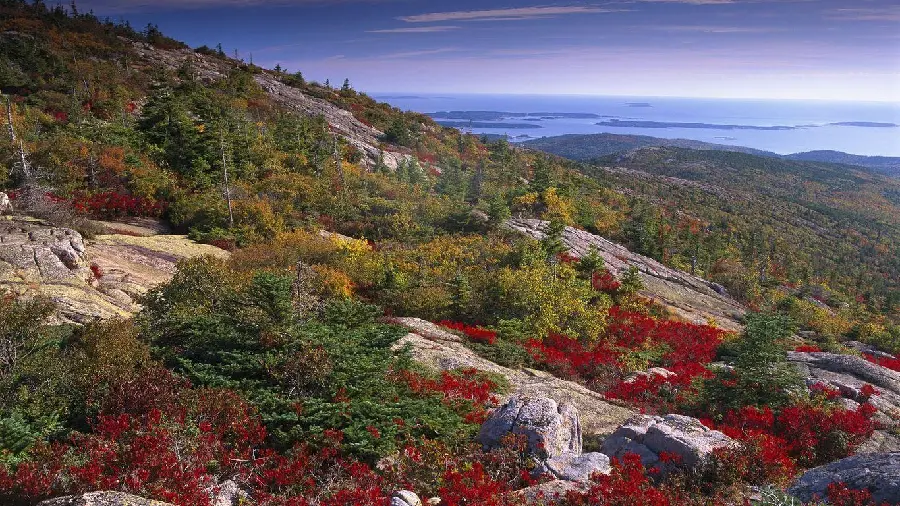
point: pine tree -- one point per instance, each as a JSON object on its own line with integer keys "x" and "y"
{"x": 346, "y": 87}
{"x": 473, "y": 196}
{"x": 541, "y": 177}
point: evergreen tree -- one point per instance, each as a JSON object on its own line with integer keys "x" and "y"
{"x": 541, "y": 177}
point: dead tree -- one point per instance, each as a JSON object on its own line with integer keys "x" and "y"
{"x": 18, "y": 144}
{"x": 225, "y": 177}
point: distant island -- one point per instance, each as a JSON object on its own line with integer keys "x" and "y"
{"x": 485, "y": 124}
{"x": 501, "y": 115}
{"x": 865, "y": 124}
{"x": 667, "y": 124}
{"x": 638, "y": 104}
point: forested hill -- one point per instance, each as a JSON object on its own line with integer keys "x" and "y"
{"x": 592, "y": 146}
{"x": 789, "y": 215}
{"x": 380, "y": 284}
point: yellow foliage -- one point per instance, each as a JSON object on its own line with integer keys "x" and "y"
{"x": 259, "y": 217}
{"x": 334, "y": 283}
{"x": 558, "y": 208}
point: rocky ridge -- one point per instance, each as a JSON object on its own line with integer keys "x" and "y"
{"x": 89, "y": 279}
{"x": 209, "y": 69}
{"x": 690, "y": 297}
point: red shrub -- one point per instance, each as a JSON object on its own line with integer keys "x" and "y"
{"x": 322, "y": 478}
{"x": 808, "y": 348}
{"x": 96, "y": 271}
{"x": 605, "y": 282}
{"x": 466, "y": 396}
{"x": 474, "y": 332}
{"x": 627, "y": 485}
{"x": 569, "y": 358}
{"x": 840, "y": 495}
{"x": 111, "y": 204}
{"x": 464, "y": 487}
{"x": 810, "y": 435}
{"x": 890, "y": 363}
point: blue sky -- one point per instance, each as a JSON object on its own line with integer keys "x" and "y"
{"x": 799, "y": 49}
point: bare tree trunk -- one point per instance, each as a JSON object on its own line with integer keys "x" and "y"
{"x": 9, "y": 122}
{"x": 23, "y": 155}
{"x": 338, "y": 164}
{"x": 227, "y": 188}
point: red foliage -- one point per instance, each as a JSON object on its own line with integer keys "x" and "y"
{"x": 566, "y": 258}
{"x": 323, "y": 478}
{"x": 463, "y": 487}
{"x": 605, "y": 282}
{"x": 474, "y": 332}
{"x": 627, "y": 485}
{"x": 809, "y": 435}
{"x": 840, "y": 495}
{"x": 466, "y": 396}
{"x": 164, "y": 453}
{"x": 890, "y": 363}
{"x": 96, "y": 271}
{"x": 808, "y": 348}
{"x": 569, "y": 358}
{"x": 112, "y": 203}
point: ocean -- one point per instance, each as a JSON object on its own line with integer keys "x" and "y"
{"x": 780, "y": 126}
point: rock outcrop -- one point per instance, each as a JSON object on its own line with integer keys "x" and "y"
{"x": 431, "y": 345}
{"x": 877, "y": 472}
{"x": 686, "y": 295}
{"x": 89, "y": 279}
{"x": 552, "y": 429}
{"x": 849, "y": 374}
{"x": 649, "y": 436}
{"x": 102, "y": 499}
{"x": 553, "y": 433}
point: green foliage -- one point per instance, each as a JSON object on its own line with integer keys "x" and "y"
{"x": 304, "y": 377}
{"x": 761, "y": 375}
{"x": 632, "y": 282}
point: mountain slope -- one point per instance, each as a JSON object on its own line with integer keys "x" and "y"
{"x": 593, "y": 146}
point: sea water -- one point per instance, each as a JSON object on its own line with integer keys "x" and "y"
{"x": 813, "y": 124}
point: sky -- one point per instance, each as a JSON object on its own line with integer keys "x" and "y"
{"x": 768, "y": 49}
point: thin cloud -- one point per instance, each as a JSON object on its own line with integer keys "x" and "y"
{"x": 713, "y": 29}
{"x": 513, "y": 14}
{"x": 416, "y": 29}
{"x": 414, "y": 54}
{"x": 866, "y": 14}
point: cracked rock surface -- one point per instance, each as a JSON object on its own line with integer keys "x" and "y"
{"x": 690, "y": 297}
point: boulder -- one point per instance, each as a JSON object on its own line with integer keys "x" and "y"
{"x": 571, "y": 467}
{"x": 649, "y": 436}
{"x": 552, "y": 429}
{"x": 5, "y": 204}
{"x": 88, "y": 280}
{"x": 102, "y": 499}
{"x": 877, "y": 472}
{"x": 405, "y": 498}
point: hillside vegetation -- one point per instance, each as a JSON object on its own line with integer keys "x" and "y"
{"x": 278, "y": 368}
